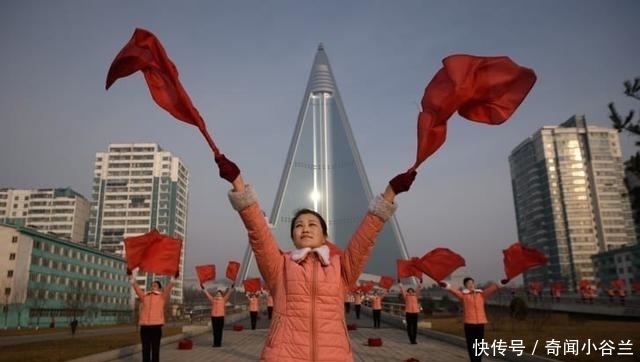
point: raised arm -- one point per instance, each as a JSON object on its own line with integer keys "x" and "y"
{"x": 380, "y": 210}
{"x": 206, "y": 292}
{"x": 136, "y": 287}
{"x": 244, "y": 200}
{"x": 227, "y": 294}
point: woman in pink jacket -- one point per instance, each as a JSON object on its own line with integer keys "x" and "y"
{"x": 253, "y": 309}
{"x": 474, "y": 316}
{"x": 308, "y": 283}
{"x": 151, "y": 317}
{"x": 218, "y": 303}
{"x": 411, "y": 311}
{"x": 376, "y": 306}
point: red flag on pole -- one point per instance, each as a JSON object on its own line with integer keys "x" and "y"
{"x": 252, "y": 285}
{"x": 385, "y": 282}
{"x": 145, "y": 53}
{"x": 232, "y": 270}
{"x": 407, "y": 268}
{"x": 206, "y": 273}
{"x": 518, "y": 258}
{"x": 163, "y": 256}
{"x": 440, "y": 263}
{"x": 482, "y": 89}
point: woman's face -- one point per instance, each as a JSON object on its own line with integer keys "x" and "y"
{"x": 470, "y": 284}
{"x": 219, "y": 293}
{"x": 307, "y": 232}
{"x": 155, "y": 287}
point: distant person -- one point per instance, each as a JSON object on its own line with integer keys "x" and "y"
{"x": 308, "y": 283}
{"x": 151, "y": 317}
{"x": 218, "y": 302}
{"x": 376, "y": 306}
{"x": 269, "y": 305}
{"x": 74, "y": 326}
{"x": 411, "y": 311}
{"x": 347, "y": 301}
{"x": 474, "y": 315}
{"x": 357, "y": 303}
{"x": 253, "y": 309}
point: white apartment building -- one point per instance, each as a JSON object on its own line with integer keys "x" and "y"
{"x": 58, "y": 211}
{"x": 138, "y": 187}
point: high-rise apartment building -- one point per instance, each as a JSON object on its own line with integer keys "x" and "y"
{"x": 570, "y": 198}
{"x": 138, "y": 187}
{"x": 59, "y": 211}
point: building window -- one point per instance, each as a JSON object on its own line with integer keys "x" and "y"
{"x": 12, "y": 256}
{"x": 7, "y": 291}
{"x": 9, "y": 273}
{"x": 14, "y": 239}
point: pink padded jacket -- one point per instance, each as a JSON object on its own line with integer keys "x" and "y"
{"x": 308, "y": 314}
{"x": 152, "y": 305}
{"x": 473, "y": 303}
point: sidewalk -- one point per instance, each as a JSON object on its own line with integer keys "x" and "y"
{"x": 246, "y": 345}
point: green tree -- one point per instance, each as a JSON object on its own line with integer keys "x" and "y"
{"x": 628, "y": 124}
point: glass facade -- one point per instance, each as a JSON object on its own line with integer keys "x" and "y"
{"x": 324, "y": 172}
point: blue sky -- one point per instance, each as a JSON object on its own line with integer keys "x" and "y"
{"x": 245, "y": 65}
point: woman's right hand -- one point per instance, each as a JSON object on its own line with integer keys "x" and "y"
{"x": 228, "y": 170}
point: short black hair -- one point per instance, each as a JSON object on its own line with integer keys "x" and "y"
{"x": 305, "y": 211}
{"x": 159, "y": 284}
{"x": 465, "y": 280}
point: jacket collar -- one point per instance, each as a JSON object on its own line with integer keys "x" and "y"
{"x": 467, "y": 291}
{"x": 323, "y": 253}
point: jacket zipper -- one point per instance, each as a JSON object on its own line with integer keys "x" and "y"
{"x": 314, "y": 283}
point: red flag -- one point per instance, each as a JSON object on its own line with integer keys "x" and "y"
{"x": 617, "y": 284}
{"x": 482, "y": 89}
{"x": 252, "y": 285}
{"x": 366, "y": 287}
{"x": 535, "y": 287}
{"x": 518, "y": 258}
{"x": 206, "y": 273}
{"x": 145, "y": 53}
{"x": 556, "y": 288}
{"x": 385, "y": 282}
{"x": 163, "y": 256}
{"x": 232, "y": 270}
{"x": 407, "y": 268}
{"x": 135, "y": 247}
{"x": 440, "y": 263}
{"x": 584, "y": 284}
